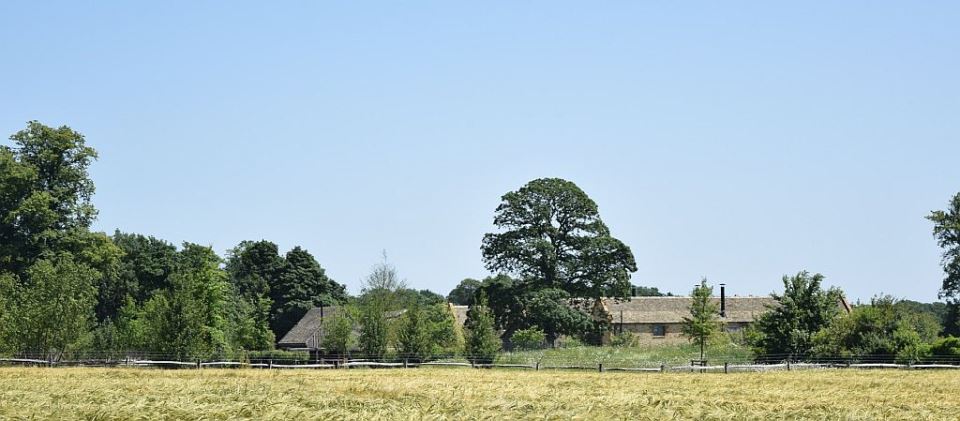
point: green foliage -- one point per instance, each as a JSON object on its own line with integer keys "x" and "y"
{"x": 338, "y": 336}
{"x": 527, "y": 339}
{"x": 45, "y": 193}
{"x": 803, "y": 310}
{"x": 625, "y": 340}
{"x": 704, "y": 321}
{"x": 303, "y": 285}
{"x": 517, "y": 307}
{"x": 380, "y": 295}
{"x": 551, "y": 310}
{"x": 414, "y": 338}
{"x": 881, "y": 330}
{"x": 374, "y": 332}
{"x": 482, "y": 340}
{"x": 255, "y": 268}
{"x": 948, "y": 347}
{"x": 505, "y": 302}
{"x": 552, "y": 237}
{"x": 464, "y": 292}
{"x": 446, "y": 334}
{"x": 190, "y": 320}
{"x": 7, "y": 313}
{"x": 145, "y": 267}
{"x": 946, "y": 229}
{"x": 642, "y": 291}
{"x": 55, "y": 306}
{"x": 951, "y": 318}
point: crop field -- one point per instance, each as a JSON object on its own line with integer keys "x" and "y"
{"x": 439, "y": 393}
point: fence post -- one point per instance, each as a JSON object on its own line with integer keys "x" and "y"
{"x": 788, "y": 365}
{"x": 270, "y": 364}
{"x": 405, "y": 363}
{"x": 600, "y": 367}
{"x": 537, "y": 367}
{"x": 198, "y": 365}
{"x": 726, "y": 367}
{"x": 663, "y": 368}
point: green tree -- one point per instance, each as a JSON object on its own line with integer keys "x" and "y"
{"x": 45, "y": 193}
{"x": 464, "y": 292}
{"x": 704, "y": 321}
{"x": 881, "y": 330}
{"x": 946, "y": 229}
{"x": 7, "y": 313}
{"x": 380, "y": 294}
{"x": 515, "y": 307}
{"x": 190, "y": 320}
{"x": 303, "y": 285}
{"x": 413, "y": 336}
{"x": 526, "y": 339}
{"x": 145, "y": 267}
{"x": 552, "y": 310}
{"x": 374, "y": 332}
{"x": 255, "y": 269}
{"x": 482, "y": 340}
{"x": 56, "y": 306}
{"x": 552, "y": 237}
{"x": 804, "y": 309}
{"x": 338, "y": 332}
{"x": 446, "y": 333}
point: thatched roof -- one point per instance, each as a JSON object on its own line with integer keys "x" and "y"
{"x": 652, "y": 310}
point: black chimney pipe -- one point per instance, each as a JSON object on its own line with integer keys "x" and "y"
{"x": 723, "y": 300}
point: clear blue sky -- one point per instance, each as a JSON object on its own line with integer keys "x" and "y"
{"x": 734, "y": 140}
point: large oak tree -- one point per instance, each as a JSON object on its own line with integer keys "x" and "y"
{"x": 552, "y": 237}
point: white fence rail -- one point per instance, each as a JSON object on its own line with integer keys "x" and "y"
{"x": 367, "y": 364}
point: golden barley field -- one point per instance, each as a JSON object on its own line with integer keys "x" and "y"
{"x": 462, "y": 393}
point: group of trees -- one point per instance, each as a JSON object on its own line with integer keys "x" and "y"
{"x": 64, "y": 288}
{"x": 415, "y": 325}
{"x": 810, "y": 322}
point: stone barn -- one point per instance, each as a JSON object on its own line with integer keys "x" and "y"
{"x": 659, "y": 319}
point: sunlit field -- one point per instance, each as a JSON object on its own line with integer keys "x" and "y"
{"x": 460, "y": 393}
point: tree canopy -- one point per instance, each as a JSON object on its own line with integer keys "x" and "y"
{"x": 803, "y": 309}
{"x": 552, "y": 237}
{"x": 463, "y": 294}
{"x": 946, "y": 229}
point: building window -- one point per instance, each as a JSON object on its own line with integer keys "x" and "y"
{"x": 659, "y": 331}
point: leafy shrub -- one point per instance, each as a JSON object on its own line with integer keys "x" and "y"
{"x": 570, "y": 342}
{"x": 532, "y": 338}
{"x": 625, "y": 340}
{"x": 948, "y": 347}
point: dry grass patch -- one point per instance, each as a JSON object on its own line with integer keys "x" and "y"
{"x": 83, "y": 393}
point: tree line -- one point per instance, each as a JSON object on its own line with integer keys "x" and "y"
{"x": 65, "y": 288}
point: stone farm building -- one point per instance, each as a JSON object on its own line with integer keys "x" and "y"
{"x": 652, "y": 319}
{"x": 659, "y": 319}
